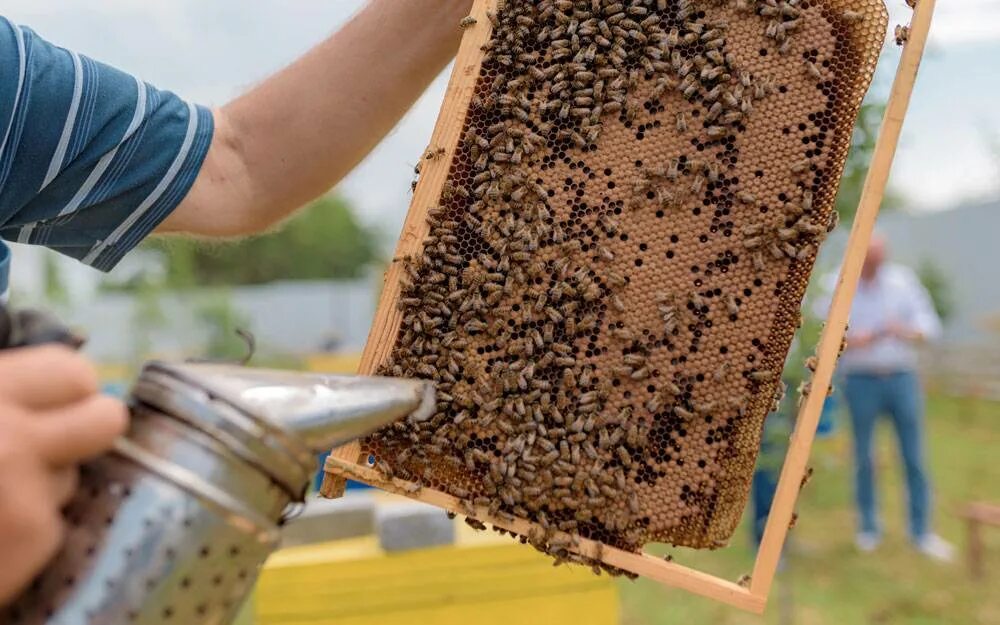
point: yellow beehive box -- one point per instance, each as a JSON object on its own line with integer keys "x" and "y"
{"x": 333, "y": 363}
{"x": 475, "y": 582}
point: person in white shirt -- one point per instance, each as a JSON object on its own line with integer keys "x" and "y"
{"x": 892, "y": 314}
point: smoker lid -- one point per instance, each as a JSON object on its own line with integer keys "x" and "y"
{"x": 280, "y": 420}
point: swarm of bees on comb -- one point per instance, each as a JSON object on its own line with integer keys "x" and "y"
{"x": 612, "y": 274}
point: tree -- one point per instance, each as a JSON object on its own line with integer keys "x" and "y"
{"x": 858, "y": 159}
{"x": 55, "y": 287}
{"x": 322, "y": 242}
{"x": 222, "y": 321}
{"x": 938, "y": 287}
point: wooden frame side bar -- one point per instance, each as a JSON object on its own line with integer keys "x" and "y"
{"x": 828, "y": 350}
{"x": 434, "y": 173}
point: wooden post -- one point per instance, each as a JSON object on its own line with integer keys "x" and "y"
{"x": 828, "y": 349}
{"x": 977, "y": 515}
{"x": 975, "y": 547}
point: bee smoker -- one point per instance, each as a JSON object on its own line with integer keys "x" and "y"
{"x": 173, "y": 525}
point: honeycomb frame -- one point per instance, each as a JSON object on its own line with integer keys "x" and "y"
{"x": 433, "y": 185}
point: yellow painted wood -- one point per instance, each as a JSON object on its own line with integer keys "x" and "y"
{"x": 653, "y": 567}
{"x": 352, "y": 581}
{"x": 333, "y": 363}
{"x": 584, "y": 608}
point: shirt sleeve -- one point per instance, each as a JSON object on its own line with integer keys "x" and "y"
{"x": 92, "y": 159}
{"x": 922, "y": 315}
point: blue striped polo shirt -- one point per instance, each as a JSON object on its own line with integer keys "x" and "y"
{"x": 91, "y": 158}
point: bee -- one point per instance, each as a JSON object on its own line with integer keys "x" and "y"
{"x": 806, "y": 477}
{"x": 705, "y": 408}
{"x": 655, "y": 403}
{"x": 761, "y": 376}
{"x": 813, "y": 70}
{"x": 698, "y": 184}
{"x": 720, "y": 374}
{"x": 715, "y": 132}
{"x": 683, "y": 413}
{"x": 807, "y": 200}
{"x": 731, "y": 117}
{"x": 682, "y": 124}
{"x": 609, "y": 223}
{"x": 732, "y": 305}
{"x": 713, "y": 112}
{"x": 623, "y": 334}
{"x": 805, "y": 252}
{"x": 621, "y": 371}
{"x": 637, "y": 360}
{"x": 673, "y": 171}
{"x": 834, "y": 221}
{"x": 852, "y": 16}
{"x": 623, "y": 455}
{"x": 697, "y": 301}
{"x": 902, "y": 34}
{"x": 744, "y": 581}
{"x": 787, "y": 234}
{"x": 800, "y": 167}
{"x": 673, "y": 388}
{"x": 640, "y": 374}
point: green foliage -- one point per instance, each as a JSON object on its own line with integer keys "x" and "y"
{"x": 939, "y": 288}
{"x": 147, "y": 316}
{"x": 858, "y": 159}
{"x": 324, "y": 241}
{"x": 222, "y": 321}
{"x": 55, "y": 289}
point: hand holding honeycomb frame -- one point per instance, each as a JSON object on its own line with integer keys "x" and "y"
{"x": 603, "y": 265}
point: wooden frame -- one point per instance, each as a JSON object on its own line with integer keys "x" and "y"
{"x": 752, "y": 597}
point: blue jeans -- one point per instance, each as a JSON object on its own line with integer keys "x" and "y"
{"x": 773, "y": 445}
{"x": 899, "y": 396}
{"x": 762, "y": 489}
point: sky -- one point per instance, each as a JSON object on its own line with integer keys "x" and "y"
{"x": 212, "y": 51}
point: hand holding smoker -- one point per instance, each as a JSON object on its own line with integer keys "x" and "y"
{"x": 173, "y": 525}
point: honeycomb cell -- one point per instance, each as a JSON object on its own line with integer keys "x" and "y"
{"x": 613, "y": 272}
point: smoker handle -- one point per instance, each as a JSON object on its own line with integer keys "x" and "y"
{"x": 27, "y": 327}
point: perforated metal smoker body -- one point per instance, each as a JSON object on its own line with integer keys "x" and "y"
{"x": 606, "y": 303}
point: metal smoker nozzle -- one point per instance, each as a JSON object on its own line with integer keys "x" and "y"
{"x": 320, "y": 411}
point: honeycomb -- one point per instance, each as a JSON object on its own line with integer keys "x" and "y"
{"x": 614, "y": 268}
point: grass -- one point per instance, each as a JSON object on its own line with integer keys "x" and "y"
{"x": 825, "y": 582}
